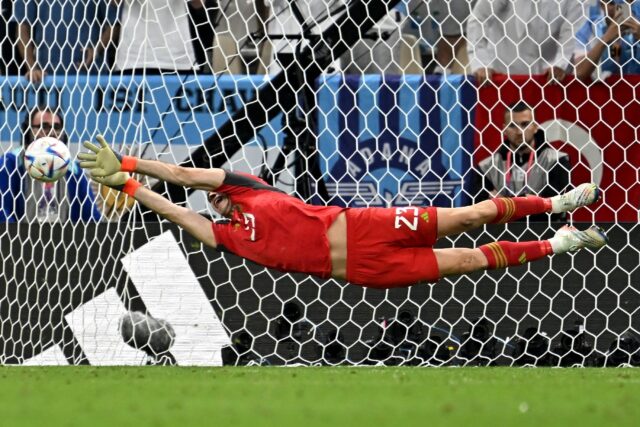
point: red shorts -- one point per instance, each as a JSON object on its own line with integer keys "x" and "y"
{"x": 391, "y": 247}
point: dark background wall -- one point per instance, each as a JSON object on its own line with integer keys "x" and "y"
{"x": 48, "y": 271}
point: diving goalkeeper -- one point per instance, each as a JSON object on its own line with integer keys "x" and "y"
{"x": 373, "y": 247}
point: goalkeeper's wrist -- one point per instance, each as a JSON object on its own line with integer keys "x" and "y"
{"x": 128, "y": 163}
{"x": 129, "y": 187}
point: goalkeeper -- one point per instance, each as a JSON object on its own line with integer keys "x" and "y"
{"x": 373, "y": 247}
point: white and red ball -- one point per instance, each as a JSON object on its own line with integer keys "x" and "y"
{"x": 47, "y": 159}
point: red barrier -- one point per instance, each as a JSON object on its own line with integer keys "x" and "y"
{"x": 603, "y": 114}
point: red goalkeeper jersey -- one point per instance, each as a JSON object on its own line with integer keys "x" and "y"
{"x": 274, "y": 229}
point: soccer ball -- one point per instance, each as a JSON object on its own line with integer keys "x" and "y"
{"x": 47, "y": 159}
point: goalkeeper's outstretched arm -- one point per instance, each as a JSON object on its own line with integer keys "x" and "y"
{"x": 194, "y": 223}
{"x": 103, "y": 161}
{"x": 198, "y": 178}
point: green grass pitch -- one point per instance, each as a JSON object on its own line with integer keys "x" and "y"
{"x": 340, "y": 396}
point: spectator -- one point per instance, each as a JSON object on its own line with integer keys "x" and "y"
{"x": 155, "y": 36}
{"x": 523, "y": 37}
{"x": 285, "y": 21}
{"x": 389, "y": 46}
{"x": 8, "y": 32}
{"x": 63, "y": 36}
{"x": 238, "y": 25}
{"x": 23, "y": 198}
{"x": 608, "y": 41}
{"x": 450, "y": 49}
{"x": 378, "y": 52}
{"x": 203, "y": 16}
{"x": 525, "y": 164}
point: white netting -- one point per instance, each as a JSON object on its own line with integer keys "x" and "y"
{"x": 355, "y": 103}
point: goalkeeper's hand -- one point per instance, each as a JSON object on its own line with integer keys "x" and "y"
{"x": 115, "y": 181}
{"x": 101, "y": 161}
{"x": 120, "y": 181}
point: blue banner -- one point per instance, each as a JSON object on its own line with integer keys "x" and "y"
{"x": 396, "y": 140}
{"x": 132, "y": 109}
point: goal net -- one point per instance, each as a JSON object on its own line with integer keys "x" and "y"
{"x": 346, "y": 102}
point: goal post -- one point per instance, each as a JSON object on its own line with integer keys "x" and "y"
{"x": 354, "y": 114}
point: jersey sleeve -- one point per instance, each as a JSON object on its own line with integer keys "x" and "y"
{"x": 220, "y": 230}
{"x": 238, "y": 182}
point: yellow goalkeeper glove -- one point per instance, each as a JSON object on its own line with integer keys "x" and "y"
{"x": 115, "y": 202}
{"x": 120, "y": 181}
{"x": 103, "y": 161}
{"x": 115, "y": 181}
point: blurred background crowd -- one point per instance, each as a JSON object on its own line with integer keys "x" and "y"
{"x": 588, "y": 38}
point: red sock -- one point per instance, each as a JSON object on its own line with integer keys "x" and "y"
{"x": 513, "y": 208}
{"x": 503, "y": 254}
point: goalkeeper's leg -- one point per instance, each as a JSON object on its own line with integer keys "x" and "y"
{"x": 502, "y": 209}
{"x": 504, "y": 254}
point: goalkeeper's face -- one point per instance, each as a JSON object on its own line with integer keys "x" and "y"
{"x": 220, "y": 203}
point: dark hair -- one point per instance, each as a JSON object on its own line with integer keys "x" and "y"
{"x": 518, "y": 107}
{"x": 27, "y": 135}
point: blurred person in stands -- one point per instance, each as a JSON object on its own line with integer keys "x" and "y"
{"x": 389, "y": 47}
{"x": 523, "y": 37}
{"x": 282, "y": 23}
{"x": 155, "y": 36}
{"x": 25, "y": 199}
{"x": 8, "y": 32}
{"x": 450, "y": 17}
{"x": 63, "y": 36}
{"x": 608, "y": 41}
{"x": 204, "y": 15}
{"x": 525, "y": 164}
{"x": 378, "y": 52}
